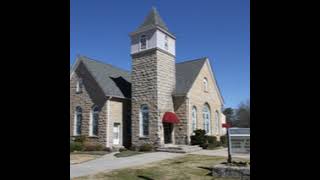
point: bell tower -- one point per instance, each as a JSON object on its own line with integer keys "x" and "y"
{"x": 153, "y": 79}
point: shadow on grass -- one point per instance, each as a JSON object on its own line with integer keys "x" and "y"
{"x": 146, "y": 178}
{"x": 207, "y": 168}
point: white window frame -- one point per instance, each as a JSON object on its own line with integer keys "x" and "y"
{"x": 79, "y": 86}
{"x": 91, "y": 121}
{"x": 205, "y": 84}
{"x": 140, "y": 42}
{"x": 217, "y": 123}
{"x": 194, "y": 119}
{"x": 75, "y": 122}
{"x": 166, "y": 42}
{"x": 207, "y": 121}
{"x": 141, "y": 128}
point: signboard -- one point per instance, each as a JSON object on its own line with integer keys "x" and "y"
{"x": 239, "y": 140}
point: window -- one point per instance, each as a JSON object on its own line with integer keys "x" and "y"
{"x": 143, "y": 42}
{"x": 77, "y": 121}
{"x": 144, "y": 120}
{"x": 194, "y": 118}
{"x": 79, "y": 86}
{"x": 94, "y": 121}
{"x": 166, "y": 42}
{"x": 205, "y": 84}
{"x": 217, "y": 123}
{"x": 207, "y": 119}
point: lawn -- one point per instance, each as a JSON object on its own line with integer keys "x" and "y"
{"x": 80, "y": 157}
{"x": 127, "y": 153}
{"x": 188, "y": 167}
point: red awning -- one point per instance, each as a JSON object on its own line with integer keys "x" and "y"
{"x": 170, "y": 117}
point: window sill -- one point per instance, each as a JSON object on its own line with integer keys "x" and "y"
{"x": 143, "y": 137}
{"x": 92, "y": 136}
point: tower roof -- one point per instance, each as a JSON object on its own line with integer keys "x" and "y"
{"x": 153, "y": 19}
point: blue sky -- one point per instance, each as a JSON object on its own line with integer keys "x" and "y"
{"x": 218, "y": 29}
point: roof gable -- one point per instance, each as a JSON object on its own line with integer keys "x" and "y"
{"x": 112, "y": 80}
{"x": 186, "y": 74}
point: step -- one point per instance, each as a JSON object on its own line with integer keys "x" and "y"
{"x": 179, "y": 149}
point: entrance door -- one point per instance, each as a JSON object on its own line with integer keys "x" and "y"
{"x": 167, "y": 127}
{"x": 116, "y": 133}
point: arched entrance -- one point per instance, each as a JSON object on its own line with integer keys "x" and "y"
{"x": 168, "y": 120}
{"x": 167, "y": 128}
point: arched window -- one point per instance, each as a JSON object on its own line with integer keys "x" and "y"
{"x": 94, "y": 121}
{"x": 194, "y": 118}
{"x": 144, "y": 120}
{"x": 166, "y": 46}
{"x": 205, "y": 84}
{"x": 143, "y": 42}
{"x": 79, "y": 86}
{"x": 77, "y": 121}
{"x": 207, "y": 119}
{"x": 217, "y": 123}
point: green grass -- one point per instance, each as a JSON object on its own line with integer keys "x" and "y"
{"x": 188, "y": 167}
{"x": 127, "y": 153}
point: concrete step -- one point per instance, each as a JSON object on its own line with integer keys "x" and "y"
{"x": 179, "y": 149}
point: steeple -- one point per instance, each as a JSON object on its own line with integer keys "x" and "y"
{"x": 153, "y": 19}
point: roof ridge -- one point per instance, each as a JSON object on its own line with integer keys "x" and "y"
{"x": 187, "y": 61}
{"x": 104, "y": 63}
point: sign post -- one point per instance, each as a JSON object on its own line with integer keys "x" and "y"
{"x": 227, "y": 126}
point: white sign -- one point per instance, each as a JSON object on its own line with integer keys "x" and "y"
{"x": 239, "y": 140}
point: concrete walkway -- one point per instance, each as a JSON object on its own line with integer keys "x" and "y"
{"x": 109, "y": 162}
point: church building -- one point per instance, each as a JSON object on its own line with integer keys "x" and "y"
{"x": 159, "y": 102}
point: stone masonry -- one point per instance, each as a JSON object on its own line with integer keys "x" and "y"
{"x": 153, "y": 81}
{"x": 91, "y": 95}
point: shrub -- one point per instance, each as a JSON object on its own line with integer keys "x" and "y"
{"x": 224, "y": 141}
{"x": 146, "y": 147}
{"x": 199, "y": 138}
{"x": 212, "y": 139}
{"x": 91, "y": 146}
{"x": 122, "y": 149}
{"x": 76, "y": 146}
{"x": 80, "y": 139}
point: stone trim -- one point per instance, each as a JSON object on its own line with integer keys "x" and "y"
{"x": 141, "y": 53}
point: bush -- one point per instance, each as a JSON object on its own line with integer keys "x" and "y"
{"x": 146, "y": 147}
{"x": 224, "y": 141}
{"x": 76, "y": 146}
{"x": 122, "y": 149}
{"x": 80, "y": 139}
{"x": 91, "y": 146}
{"x": 212, "y": 139}
{"x": 199, "y": 138}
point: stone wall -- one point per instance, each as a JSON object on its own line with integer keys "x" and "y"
{"x": 153, "y": 82}
{"x": 91, "y": 95}
{"x": 181, "y": 110}
{"x": 198, "y": 97}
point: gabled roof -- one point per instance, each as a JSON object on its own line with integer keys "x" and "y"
{"x": 186, "y": 74}
{"x": 112, "y": 80}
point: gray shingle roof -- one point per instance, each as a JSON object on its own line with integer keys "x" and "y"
{"x": 153, "y": 19}
{"x": 113, "y": 81}
{"x": 117, "y": 82}
{"x": 186, "y": 74}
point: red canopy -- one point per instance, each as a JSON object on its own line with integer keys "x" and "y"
{"x": 170, "y": 117}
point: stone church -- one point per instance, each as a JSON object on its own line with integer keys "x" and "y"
{"x": 159, "y": 102}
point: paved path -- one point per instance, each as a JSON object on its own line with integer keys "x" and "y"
{"x": 109, "y": 162}
{"x": 220, "y": 152}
